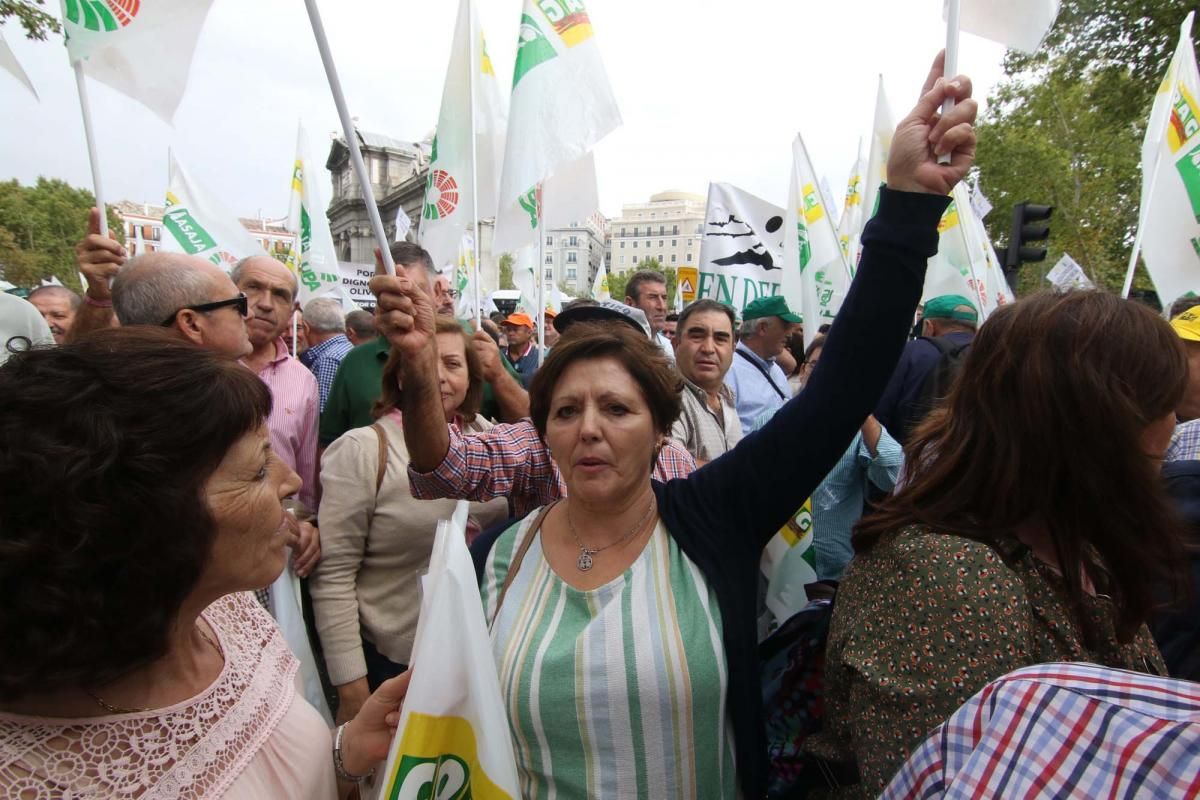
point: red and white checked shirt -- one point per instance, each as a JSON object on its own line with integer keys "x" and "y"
{"x": 1063, "y": 730}
{"x": 512, "y": 461}
{"x": 295, "y": 400}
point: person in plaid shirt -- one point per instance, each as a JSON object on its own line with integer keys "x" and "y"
{"x": 325, "y": 330}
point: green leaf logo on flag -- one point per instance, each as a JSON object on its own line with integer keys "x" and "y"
{"x": 101, "y": 16}
{"x": 533, "y": 48}
{"x": 531, "y": 201}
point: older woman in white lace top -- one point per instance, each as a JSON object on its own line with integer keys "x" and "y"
{"x": 140, "y": 503}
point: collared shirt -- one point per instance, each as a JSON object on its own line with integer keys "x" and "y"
{"x": 1060, "y": 729}
{"x": 323, "y": 359}
{"x": 705, "y": 433}
{"x": 526, "y": 365}
{"x": 512, "y": 461}
{"x": 1185, "y": 442}
{"x": 758, "y": 398}
{"x": 667, "y": 346}
{"x": 837, "y": 504}
{"x": 293, "y": 421}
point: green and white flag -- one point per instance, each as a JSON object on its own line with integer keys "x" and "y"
{"x": 463, "y": 279}
{"x": 141, "y": 48}
{"x": 882, "y": 130}
{"x": 965, "y": 263}
{"x": 600, "y": 284}
{"x": 1169, "y": 226}
{"x": 448, "y": 208}
{"x": 815, "y": 275}
{"x": 851, "y": 224}
{"x": 198, "y": 225}
{"x": 312, "y": 256}
{"x": 561, "y": 105}
{"x": 525, "y": 264}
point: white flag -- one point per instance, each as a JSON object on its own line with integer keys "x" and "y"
{"x": 9, "y": 63}
{"x": 850, "y": 224}
{"x": 453, "y": 738}
{"x": 525, "y": 266}
{"x": 403, "y": 224}
{"x": 312, "y": 256}
{"x": 600, "y": 284}
{"x": 882, "y": 130}
{"x": 965, "y": 263}
{"x": 463, "y": 279}
{"x": 198, "y": 225}
{"x": 1016, "y": 24}
{"x": 446, "y": 213}
{"x": 141, "y": 48}
{"x": 741, "y": 254}
{"x": 561, "y": 106}
{"x": 1170, "y": 214}
{"x": 815, "y": 275}
{"x": 1067, "y": 274}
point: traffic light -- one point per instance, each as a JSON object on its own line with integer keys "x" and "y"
{"x": 1029, "y": 224}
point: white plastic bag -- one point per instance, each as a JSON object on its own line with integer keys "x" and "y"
{"x": 285, "y": 604}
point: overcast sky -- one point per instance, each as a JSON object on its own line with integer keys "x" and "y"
{"x": 709, "y": 91}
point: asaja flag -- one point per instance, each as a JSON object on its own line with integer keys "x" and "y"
{"x": 815, "y": 275}
{"x": 1016, "y": 24}
{"x": 1170, "y": 214}
{"x": 453, "y": 738}
{"x": 851, "y": 223}
{"x": 600, "y": 284}
{"x": 561, "y": 106}
{"x": 9, "y": 63}
{"x": 882, "y": 129}
{"x": 141, "y": 48}
{"x": 965, "y": 263}
{"x": 198, "y": 225}
{"x": 741, "y": 254}
{"x": 312, "y": 256}
{"x": 449, "y": 203}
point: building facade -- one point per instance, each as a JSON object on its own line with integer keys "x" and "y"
{"x": 572, "y": 254}
{"x": 668, "y": 228}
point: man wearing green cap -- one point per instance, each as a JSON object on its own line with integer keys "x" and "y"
{"x": 947, "y": 328}
{"x": 757, "y": 382}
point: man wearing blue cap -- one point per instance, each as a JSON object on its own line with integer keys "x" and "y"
{"x": 758, "y": 383}
{"x": 947, "y": 328}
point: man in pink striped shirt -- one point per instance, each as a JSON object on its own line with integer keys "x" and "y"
{"x": 270, "y": 289}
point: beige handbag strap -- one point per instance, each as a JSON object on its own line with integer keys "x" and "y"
{"x": 382, "y": 436}
{"x": 515, "y": 566}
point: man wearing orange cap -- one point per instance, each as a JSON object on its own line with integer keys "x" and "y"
{"x": 522, "y": 350}
{"x": 551, "y": 333}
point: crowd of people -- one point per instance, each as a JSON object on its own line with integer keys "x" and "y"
{"x": 990, "y": 500}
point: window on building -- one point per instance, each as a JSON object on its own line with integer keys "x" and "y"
{"x": 635, "y": 230}
{"x": 148, "y": 233}
{"x": 662, "y": 230}
{"x": 573, "y": 241}
{"x": 571, "y": 274}
{"x": 622, "y": 259}
{"x": 572, "y": 257}
{"x": 622, "y": 230}
{"x": 549, "y": 258}
{"x": 689, "y": 258}
{"x": 672, "y": 258}
{"x": 699, "y": 228}
{"x": 660, "y": 242}
{"x": 549, "y": 274}
{"x": 634, "y": 245}
{"x": 675, "y": 230}
{"x": 549, "y": 241}
{"x": 622, "y": 245}
{"x": 132, "y": 248}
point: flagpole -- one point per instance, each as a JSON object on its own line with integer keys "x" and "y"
{"x": 951, "y": 63}
{"x": 1133, "y": 257}
{"x": 1143, "y": 215}
{"x": 474, "y": 159}
{"x": 89, "y": 135}
{"x": 541, "y": 281}
{"x": 356, "y": 159}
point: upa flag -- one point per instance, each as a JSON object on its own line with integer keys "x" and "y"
{"x": 198, "y": 225}
{"x": 449, "y": 204}
{"x": 882, "y": 130}
{"x": 453, "y": 738}
{"x": 600, "y": 285}
{"x": 9, "y": 63}
{"x": 312, "y": 256}
{"x": 815, "y": 275}
{"x": 141, "y": 48}
{"x": 741, "y": 254}
{"x": 561, "y": 106}
{"x": 1016, "y": 24}
{"x": 851, "y": 224}
{"x": 1170, "y": 215}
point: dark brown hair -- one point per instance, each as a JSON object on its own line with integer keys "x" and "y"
{"x": 105, "y": 449}
{"x": 1044, "y": 425}
{"x": 641, "y": 358}
{"x": 391, "y": 393}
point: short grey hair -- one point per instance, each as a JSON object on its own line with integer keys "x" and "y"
{"x": 235, "y": 274}
{"x": 147, "y": 293}
{"x": 749, "y": 327}
{"x": 72, "y": 297}
{"x": 324, "y": 315}
{"x": 361, "y": 322}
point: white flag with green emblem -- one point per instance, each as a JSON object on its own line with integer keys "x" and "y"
{"x": 851, "y": 224}
{"x": 1170, "y": 214}
{"x": 463, "y": 280}
{"x": 449, "y": 205}
{"x": 815, "y": 275}
{"x": 312, "y": 256}
{"x": 561, "y": 106}
{"x": 965, "y": 263}
{"x": 141, "y": 48}
{"x": 600, "y": 285}
{"x": 882, "y": 129}
{"x": 196, "y": 223}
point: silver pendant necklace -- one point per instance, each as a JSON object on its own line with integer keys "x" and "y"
{"x": 585, "y": 561}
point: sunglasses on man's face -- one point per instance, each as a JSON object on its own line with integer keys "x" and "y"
{"x": 243, "y": 307}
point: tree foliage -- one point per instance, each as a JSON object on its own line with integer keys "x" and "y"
{"x": 618, "y": 281}
{"x": 39, "y": 227}
{"x": 506, "y": 272}
{"x": 37, "y": 23}
{"x": 1065, "y": 127}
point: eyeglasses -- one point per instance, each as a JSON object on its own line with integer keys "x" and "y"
{"x": 243, "y": 307}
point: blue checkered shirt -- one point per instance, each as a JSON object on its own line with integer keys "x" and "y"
{"x": 324, "y": 359}
{"x": 1185, "y": 443}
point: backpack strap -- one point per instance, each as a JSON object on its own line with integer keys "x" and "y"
{"x": 764, "y": 373}
{"x": 515, "y": 565}
{"x": 945, "y": 346}
{"x": 380, "y": 470}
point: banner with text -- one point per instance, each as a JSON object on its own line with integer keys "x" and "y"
{"x": 741, "y": 254}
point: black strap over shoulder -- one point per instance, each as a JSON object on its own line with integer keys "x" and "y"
{"x": 764, "y": 373}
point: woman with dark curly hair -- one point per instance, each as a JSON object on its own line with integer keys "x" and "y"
{"x": 139, "y": 503}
